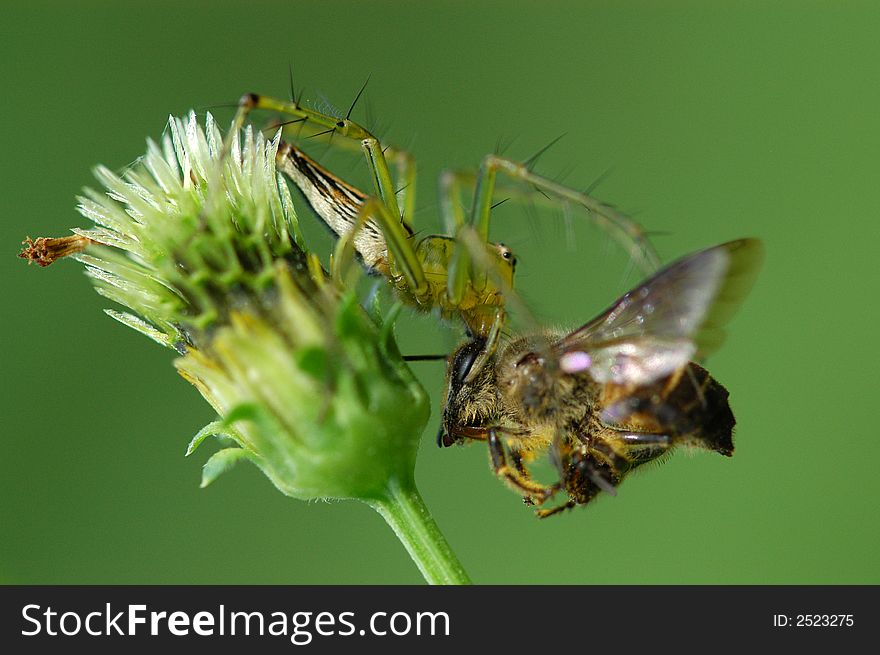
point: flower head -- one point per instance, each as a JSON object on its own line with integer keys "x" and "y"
{"x": 199, "y": 241}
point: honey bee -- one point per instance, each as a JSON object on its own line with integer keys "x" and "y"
{"x": 620, "y": 391}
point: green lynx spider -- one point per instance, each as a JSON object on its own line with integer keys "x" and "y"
{"x": 435, "y": 271}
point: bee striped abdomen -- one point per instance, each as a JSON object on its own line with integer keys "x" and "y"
{"x": 704, "y": 417}
{"x": 690, "y": 406}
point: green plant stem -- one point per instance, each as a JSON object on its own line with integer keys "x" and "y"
{"x": 405, "y": 511}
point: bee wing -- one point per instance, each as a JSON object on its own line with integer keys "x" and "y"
{"x": 677, "y": 315}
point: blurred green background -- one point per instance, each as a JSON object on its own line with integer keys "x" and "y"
{"x": 717, "y": 120}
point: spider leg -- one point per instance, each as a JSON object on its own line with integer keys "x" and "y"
{"x": 621, "y": 227}
{"x": 386, "y": 238}
{"x": 344, "y": 127}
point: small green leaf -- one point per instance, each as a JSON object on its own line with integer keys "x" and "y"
{"x": 220, "y": 462}
{"x": 213, "y": 429}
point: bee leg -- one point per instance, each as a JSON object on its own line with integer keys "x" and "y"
{"x": 519, "y": 481}
{"x": 518, "y": 463}
{"x": 638, "y": 447}
{"x": 594, "y": 475}
{"x": 544, "y": 513}
{"x": 520, "y": 467}
{"x": 574, "y": 462}
{"x": 646, "y": 439}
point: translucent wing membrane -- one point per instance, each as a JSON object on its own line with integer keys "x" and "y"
{"x": 746, "y": 257}
{"x": 675, "y": 316}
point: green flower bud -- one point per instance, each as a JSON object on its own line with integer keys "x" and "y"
{"x": 317, "y": 398}
{"x": 200, "y": 242}
{"x": 199, "y": 239}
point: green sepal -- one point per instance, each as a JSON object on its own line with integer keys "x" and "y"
{"x": 213, "y": 429}
{"x": 220, "y": 462}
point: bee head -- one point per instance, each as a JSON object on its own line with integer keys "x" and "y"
{"x": 464, "y": 393}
